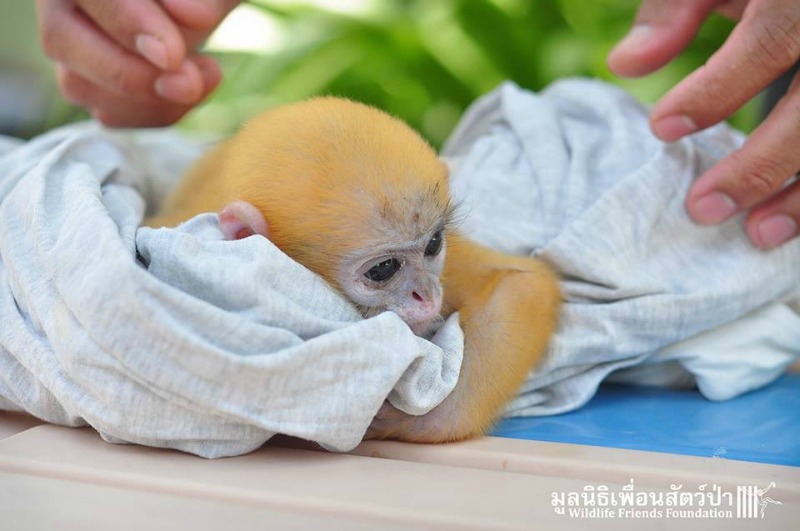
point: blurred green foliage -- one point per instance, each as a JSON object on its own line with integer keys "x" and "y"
{"x": 422, "y": 60}
{"x": 426, "y": 60}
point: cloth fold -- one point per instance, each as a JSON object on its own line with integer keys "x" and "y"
{"x": 574, "y": 176}
{"x": 177, "y": 338}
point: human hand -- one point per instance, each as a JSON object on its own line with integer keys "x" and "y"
{"x": 764, "y": 45}
{"x": 130, "y": 62}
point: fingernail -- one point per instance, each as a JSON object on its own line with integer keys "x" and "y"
{"x": 776, "y": 230}
{"x": 672, "y": 128}
{"x": 635, "y": 38}
{"x": 175, "y": 87}
{"x": 153, "y": 50}
{"x": 712, "y": 208}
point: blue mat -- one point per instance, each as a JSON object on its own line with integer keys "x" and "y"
{"x": 761, "y": 426}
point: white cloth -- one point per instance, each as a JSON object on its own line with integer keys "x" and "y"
{"x": 574, "y": 176}
{"x": 176, "y": 338}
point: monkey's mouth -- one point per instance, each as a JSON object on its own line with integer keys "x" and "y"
{"x": 425, "y": 328}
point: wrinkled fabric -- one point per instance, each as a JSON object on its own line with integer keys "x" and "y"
{"x": 177, "y": 338}
{"x": 574, "y": 176}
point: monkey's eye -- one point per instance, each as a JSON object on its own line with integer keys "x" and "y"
{"x": 384, "y": 270}
{"x": 435, "y": 245}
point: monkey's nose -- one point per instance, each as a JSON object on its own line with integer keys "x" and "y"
{"x": 426, "y": 302}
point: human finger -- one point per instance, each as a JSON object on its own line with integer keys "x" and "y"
{"x": 754, "y": 173}
{"x": 74, "y": 41}
{"x": 661, "y": 29}
{"x": 732, "y": 9}
{"x": 764, "y": 45}
{"x": 198, "y": 18}
{"x": 114, "y": 110}
{"x": 199, "y": 15}
{"x": 119, "y": 111}
{"x": 776, "y": 221}
{"x": 140, "y": 26}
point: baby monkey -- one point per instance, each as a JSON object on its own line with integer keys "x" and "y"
{"x": 362, "y": 200}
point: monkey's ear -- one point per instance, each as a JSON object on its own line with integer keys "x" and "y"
{"x": 241, "y": 219}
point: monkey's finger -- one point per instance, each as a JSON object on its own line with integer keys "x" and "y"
{"x": 140, "y": 26}
{"x": 661, "y": 29}
{"x": 776, "y": 221}
{"x": 71, "y": 39}
{"x": 117, "y": 111}
{"x": 764, "y": 45}
{"x": 754, "y": 173}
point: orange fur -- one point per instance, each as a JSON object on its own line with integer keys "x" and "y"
{"x": 508, "y": 307}
{"x": 322, "y": 197}
{"x": 333, "y": 176}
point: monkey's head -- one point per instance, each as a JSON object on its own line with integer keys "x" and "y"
{"x": 351, "y": 193}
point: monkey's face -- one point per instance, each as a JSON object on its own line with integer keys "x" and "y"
{"x": 404, "y": 279}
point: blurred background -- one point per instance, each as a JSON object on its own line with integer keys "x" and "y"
{"x": 422, "y": 60}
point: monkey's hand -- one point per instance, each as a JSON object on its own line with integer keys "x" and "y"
{"x": 508, "y": 307}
